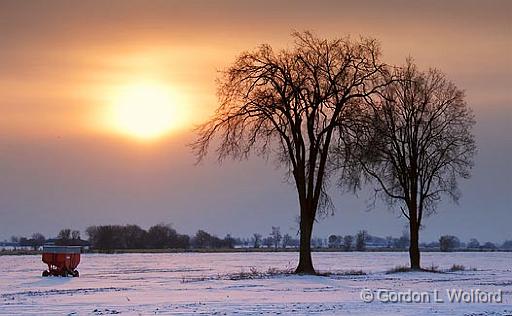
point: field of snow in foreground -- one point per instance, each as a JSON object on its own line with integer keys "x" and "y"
{"x": 192, "y": 283}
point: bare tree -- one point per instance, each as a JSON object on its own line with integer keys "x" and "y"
{"x": 334, "y": 241}
{"x": 361, "y": 238}
{"x": 268, "y": 242}
{"x": 403, "y": 242}
{"x": 256, "y": 238}
{"x": 389, "y": 241}
{"x": 287, "y": 240}
{"x": 276, "y": 236}
{"x": 37, "y": 240}
{"x": 473, "y": 244}
{"x": 291, "y": 102}
{"x": 448, "y": 243}
{"x": 75, "y": 235}
{"x": 489, "y": 246}
{"x": 229, "y": 241}
{"x": 64, "y": 237}
{"x": 64, "y": 234}
{"x": 414, "y": 143}
{"x": 347, "y": 242}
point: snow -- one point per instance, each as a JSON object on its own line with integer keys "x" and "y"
{"x": 193, "y": 283}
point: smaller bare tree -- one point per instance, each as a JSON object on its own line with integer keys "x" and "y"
{"x": 414, "y": 141}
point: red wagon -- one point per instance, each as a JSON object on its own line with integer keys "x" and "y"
{"x": 61, "y": 260}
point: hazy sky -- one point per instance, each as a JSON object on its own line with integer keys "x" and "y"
{"x": 62, "y": 165}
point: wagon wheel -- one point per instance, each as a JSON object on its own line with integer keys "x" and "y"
{"x": 46, "y": 273}
{"x": 76, "y": 274}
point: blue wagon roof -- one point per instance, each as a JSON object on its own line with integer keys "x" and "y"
{"x": 62, "y": 249}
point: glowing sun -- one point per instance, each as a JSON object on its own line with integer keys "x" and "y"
{"x": 146, "y": 110}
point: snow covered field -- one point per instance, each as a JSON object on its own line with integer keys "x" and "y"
{"x": 185, "y": 284}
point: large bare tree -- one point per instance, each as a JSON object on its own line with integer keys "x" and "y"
{"x": 291, "y": 102}
{"x": 414, "y": 140}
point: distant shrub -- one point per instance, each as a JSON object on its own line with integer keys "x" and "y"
{"x": 403, "y": 268}
{"x": 398, "y": 269}
{"x": 252, "y": 274}
{"x": 457, "y": 267}
{"x": 341, "y": 273}
{"x": 432, "y": 268}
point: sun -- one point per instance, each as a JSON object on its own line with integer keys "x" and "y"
{"x": 144, "y": 110}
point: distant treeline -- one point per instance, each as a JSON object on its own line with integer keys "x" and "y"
{"x": 66, "y": 237}
{"x": 362, "y": 241}
{"x": 161, "y": 236}
{"x": 156, "y": 237}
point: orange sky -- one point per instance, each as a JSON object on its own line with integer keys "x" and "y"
{"x": 59, "y": 59}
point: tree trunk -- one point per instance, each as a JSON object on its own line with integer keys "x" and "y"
{"x": 306, "y": 228}
{"x": 414, "y": 249}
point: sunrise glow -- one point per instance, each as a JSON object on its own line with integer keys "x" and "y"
{"x": 145, "y": 110}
